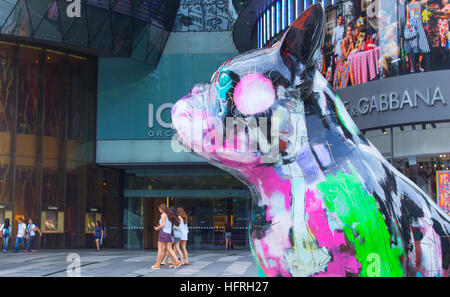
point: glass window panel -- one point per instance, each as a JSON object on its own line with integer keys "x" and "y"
{"x": 220, "y": 218}
{"x": 5, "y": 9}
{"x": 7, "y": 93}
{"x": 77, "y": 126}
{"x": 26, "y": 194}
{"x": 77, "y": 32}
{"x": 75, "y": 200}
{"x": 133, "y": 223}
{"x": 200, "y": 222}
{"x": 102, "y": 39}
{"x": 96, "y": 17}
{"x": 241, "y": 217}
{"x": 29, "y": 90}
{"x": 44, "y": 18}
{"x": 54, "y": 88}
{"x": 5, "y": 181}
{"x": 7, "y": 104}
{"x": 18, "y": 22}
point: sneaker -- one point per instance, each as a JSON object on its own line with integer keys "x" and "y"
{"x": 26, "y": 251}
{"x": 178, "y": 264}
{"x": 154, "y": 267}
{"x": 34, "y": 251}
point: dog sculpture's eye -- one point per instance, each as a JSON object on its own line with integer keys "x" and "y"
{"x": 254, "y": 94}
{"x": 224, "y": 84}
{"x": 224, "y": 79}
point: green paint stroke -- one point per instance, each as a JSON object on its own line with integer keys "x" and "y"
{"x": 363, "y": 223}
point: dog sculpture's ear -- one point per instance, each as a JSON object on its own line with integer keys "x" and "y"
{"x": 301, "y": 42}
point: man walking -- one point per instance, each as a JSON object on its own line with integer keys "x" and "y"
{"x": 32, "y": 228}
{"x": 20, "y": 237}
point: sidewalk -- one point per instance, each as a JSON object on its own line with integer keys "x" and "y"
{"x": 126, "y": 263}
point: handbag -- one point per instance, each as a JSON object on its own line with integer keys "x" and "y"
{"x": 410, "y": 32}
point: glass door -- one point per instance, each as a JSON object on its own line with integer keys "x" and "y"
{"x": 200, "y": 221}
{"x": 133, "y": 223}
{"x": 241, "y": 217}
{"x": 220, "y": 219}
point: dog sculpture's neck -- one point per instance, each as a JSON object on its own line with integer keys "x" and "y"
{"x": 281, "y": 200}
{"x": 282, "y": 197}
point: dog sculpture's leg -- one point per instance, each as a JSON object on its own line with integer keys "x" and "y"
{"x": 306, "y": 258}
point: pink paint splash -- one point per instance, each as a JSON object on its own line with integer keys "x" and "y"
{"x": 269, "y": 183}
{"x": 254, "y": 94}
{"x": 333, "y": 241}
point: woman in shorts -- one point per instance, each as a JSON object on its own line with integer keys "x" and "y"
{"x": 228, "y": 229}
{"x": 177, "y": 233}
{"x": 184, "y": 233}
{"x": 165, "y": 236}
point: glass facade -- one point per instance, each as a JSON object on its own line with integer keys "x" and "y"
{"x": 47, "y": 143}
{"x": 209, "y": 196}
{"x": 124, "y": 28}
{"x": 368, "y": 40}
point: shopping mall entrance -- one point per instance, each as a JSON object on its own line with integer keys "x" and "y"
{"x": 209, "y": 196}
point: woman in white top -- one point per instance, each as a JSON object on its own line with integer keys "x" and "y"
{"x": 184, "y": 233}
{"x": 165, "y": 236}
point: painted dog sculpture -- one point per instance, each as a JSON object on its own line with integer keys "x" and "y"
{"x": 325, "y": 201}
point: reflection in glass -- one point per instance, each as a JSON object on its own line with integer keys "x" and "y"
{"x": 7, "y": 106}
{"x": 44, "y": 161}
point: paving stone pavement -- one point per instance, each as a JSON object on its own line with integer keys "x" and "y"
{"x": 125, "y": 263}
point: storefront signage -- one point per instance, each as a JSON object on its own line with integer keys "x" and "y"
{"x": 402, "y": 100}
{"x": 395, "y": 100}
{"x": 164, "y": 128}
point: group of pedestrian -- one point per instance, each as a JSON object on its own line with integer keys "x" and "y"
{"x": 26, "y": 234}
{"x": 172, "y": 238}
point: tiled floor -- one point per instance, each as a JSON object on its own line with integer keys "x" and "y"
{"x": 123, "y": 263}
